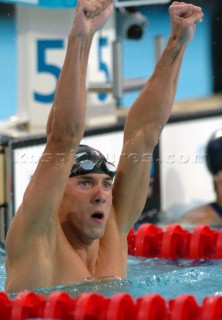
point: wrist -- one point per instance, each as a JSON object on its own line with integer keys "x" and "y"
{"x": 176, "y": 45}
{"x": 82, "y": 38}
{"x": 78, "y": 50}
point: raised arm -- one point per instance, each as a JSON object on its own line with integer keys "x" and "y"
{"x": 65, "y": 128}
{"x": 147, "y": 117}
{"x": 67, "y": 118}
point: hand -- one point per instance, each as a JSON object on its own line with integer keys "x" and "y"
{"x": 91, "y": 15}
{"x": 184, "y": 18}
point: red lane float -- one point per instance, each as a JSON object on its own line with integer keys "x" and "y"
{"x": 203, "y": 243}
{"x": 58, "y": 306}
{"x": 219, "y": 245}
{"x": 121, "y": 307}
{"x": 147, "y": 241}
{"x": 184, "y": 307}
{"x": 212, "y": 308}
{"x": 91, "y": 306}
{"x": 175, "y": 242}
{"x": 27, "y": 305}
{"x": 152, "y": 307}
{"x": 5, "y": 306}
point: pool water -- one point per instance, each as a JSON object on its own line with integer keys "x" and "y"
{"x": 2, "y": 267}
{"x": 169, "y": 278}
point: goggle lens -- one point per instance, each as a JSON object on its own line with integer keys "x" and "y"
{"x": 110, "y": 166}
{"x": 86, "y": 166}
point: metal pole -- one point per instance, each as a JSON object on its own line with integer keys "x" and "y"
{"x": 117, "y": 69}
{"x": 2, "y": 224}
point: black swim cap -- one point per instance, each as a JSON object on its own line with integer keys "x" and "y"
{"x": 214, "y": 152}
{"x": 90, "y": 160}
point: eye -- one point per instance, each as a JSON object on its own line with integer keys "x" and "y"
{"x": 85, "y": 184}
{"x": 107, "y": 185}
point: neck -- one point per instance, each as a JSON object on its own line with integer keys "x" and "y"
{"x": 87, "y": 249}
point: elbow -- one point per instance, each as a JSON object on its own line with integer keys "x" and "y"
{"x": 70, "y": 135}
{"x": 152, "y": 136}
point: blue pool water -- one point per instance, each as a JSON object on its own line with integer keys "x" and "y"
{"x": 168, "y": 278}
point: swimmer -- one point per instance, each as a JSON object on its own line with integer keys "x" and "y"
{"x": 75, "y": 216}
{"x": 211, "y": 213}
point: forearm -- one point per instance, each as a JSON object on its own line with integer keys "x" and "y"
{"x": 67, "y": 117}
{"x": 147, "y": 117}
{"x": 152, "y": 109}
{"x": 153, "y": 106}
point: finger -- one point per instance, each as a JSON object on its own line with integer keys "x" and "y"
{"x": 85, "y": 6}
{"x": 108, "y": 10}
{"x": 197, "y": 17}
{"x": 89, "y": 7}
{"x": 95, "y": 7}
{"x": 184, "y": 10}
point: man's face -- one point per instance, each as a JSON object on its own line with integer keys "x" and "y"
{"x": 218, "y": 180}
{"x": 87, "y": 202}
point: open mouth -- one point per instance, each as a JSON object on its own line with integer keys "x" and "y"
{"x": 98, "y": 216}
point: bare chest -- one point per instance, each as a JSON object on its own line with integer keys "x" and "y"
{"x": 71, "y": 267}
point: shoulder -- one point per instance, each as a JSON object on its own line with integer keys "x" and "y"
{"x": 204, "y": 214}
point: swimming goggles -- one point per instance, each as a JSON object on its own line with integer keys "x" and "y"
{"x": 87, "y": 166}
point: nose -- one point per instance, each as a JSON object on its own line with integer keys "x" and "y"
{"x": 99, "y": 195}
{"x": 100, "y": 200}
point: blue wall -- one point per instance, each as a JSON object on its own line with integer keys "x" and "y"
{"x": 8, "y": 67}
{"x": 196, "y": 73}
{"x": 138, "y": 59}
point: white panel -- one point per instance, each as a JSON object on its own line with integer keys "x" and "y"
{"x": 110, "y": 144}
{"x": 37, "y": 24}
{"x": 185, "y": 180}
{"x": 25, "y": 162}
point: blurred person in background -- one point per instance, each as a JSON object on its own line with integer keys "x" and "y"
{"x": 211, "y": 213}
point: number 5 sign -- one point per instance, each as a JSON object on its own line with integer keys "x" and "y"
{"x": 42, "y": 42}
